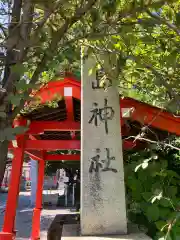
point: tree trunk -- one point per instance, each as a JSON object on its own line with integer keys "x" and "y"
{"x": 3, "y": 158}
{"x": 4, "y": 123}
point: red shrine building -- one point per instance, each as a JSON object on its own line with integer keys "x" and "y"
{"x": 51, "y": 129}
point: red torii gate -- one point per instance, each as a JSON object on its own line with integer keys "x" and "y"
{"x": 32, "y": 143}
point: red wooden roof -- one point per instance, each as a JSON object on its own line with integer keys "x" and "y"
{"x": 59, "y": 128}
{"x": 69, "y": 107}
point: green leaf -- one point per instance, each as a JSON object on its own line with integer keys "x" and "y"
{"x": 136, "y": 75}
{"x": 136, "y": 196}
{"x": 164, "y": 212}
{"x": 147, "y": 184}
{"x": 23, "y": 85}
{"x": 147, "y": 195}
{"x": 164, "y": 164}
{"x": 178, "y": 18}
{"x": 19, "y": 68}
{"x": 147, "y": 39}
{"x": 171, "y": 191}
{"x": 134, "y": 184}
{"x": 142, "y": 177}
{"x": 160, "y": 224}
{"x": 165, "y": 202}
{"x": 172, "y": 174}
{"x": 176, "y": 232}
{"x": 170, "y": 13}
{"x": 152, "y": 213}
{"x": 157, "y": 187}
{"x": 157, "y": 4}
{"x": 14, "y": 99}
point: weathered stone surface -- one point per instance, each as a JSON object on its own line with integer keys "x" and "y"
{"x": 122, "y": 237}
{"x": 71, "y": 232}
{"x": 72, "y": 229}
{"x": 103, "y": 209}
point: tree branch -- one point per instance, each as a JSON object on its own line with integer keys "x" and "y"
{"x": 22, "y": 36}
{"x": 151, "y": 141}
{"x": 12, "y": 41}
{"x": 47, "y": 14}
{"x": 25, "y": 28}
{"x": 164, "y": 21}
{"x": 57, "y": 36}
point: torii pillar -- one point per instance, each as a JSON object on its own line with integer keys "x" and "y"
{"x": 8, "y": 231}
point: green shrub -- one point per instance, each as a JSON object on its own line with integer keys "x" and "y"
{"x": 153, "y": 193}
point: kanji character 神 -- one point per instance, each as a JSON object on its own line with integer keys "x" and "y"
{"x": 103, "y": 114}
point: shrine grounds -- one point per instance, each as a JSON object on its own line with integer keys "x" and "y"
{"x": 24, "y": 216}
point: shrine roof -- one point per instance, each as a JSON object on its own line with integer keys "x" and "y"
{"x": 67, "y": 94}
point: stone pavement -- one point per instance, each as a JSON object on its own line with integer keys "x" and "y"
{"x": 24, "y": 216}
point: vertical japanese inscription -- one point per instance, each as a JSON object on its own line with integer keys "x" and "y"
{"x": 101, "y": 114}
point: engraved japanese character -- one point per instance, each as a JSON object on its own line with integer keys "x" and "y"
{"x": 95, "y": 162}
{"x": 104, "y": 165}
{"x": 107, "y": 162}
{"x": 103, "y": 114}
{"x": 100, "y": 74}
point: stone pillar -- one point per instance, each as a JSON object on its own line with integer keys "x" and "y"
{"x": 103, "y": 208}
{"x": 33, "y": 178}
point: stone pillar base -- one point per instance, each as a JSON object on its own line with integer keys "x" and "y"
{"x": 72, "y": 232}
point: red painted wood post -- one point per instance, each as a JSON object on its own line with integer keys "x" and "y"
{"x": 35, "y": 234}
{"x": 8, "y": 232}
